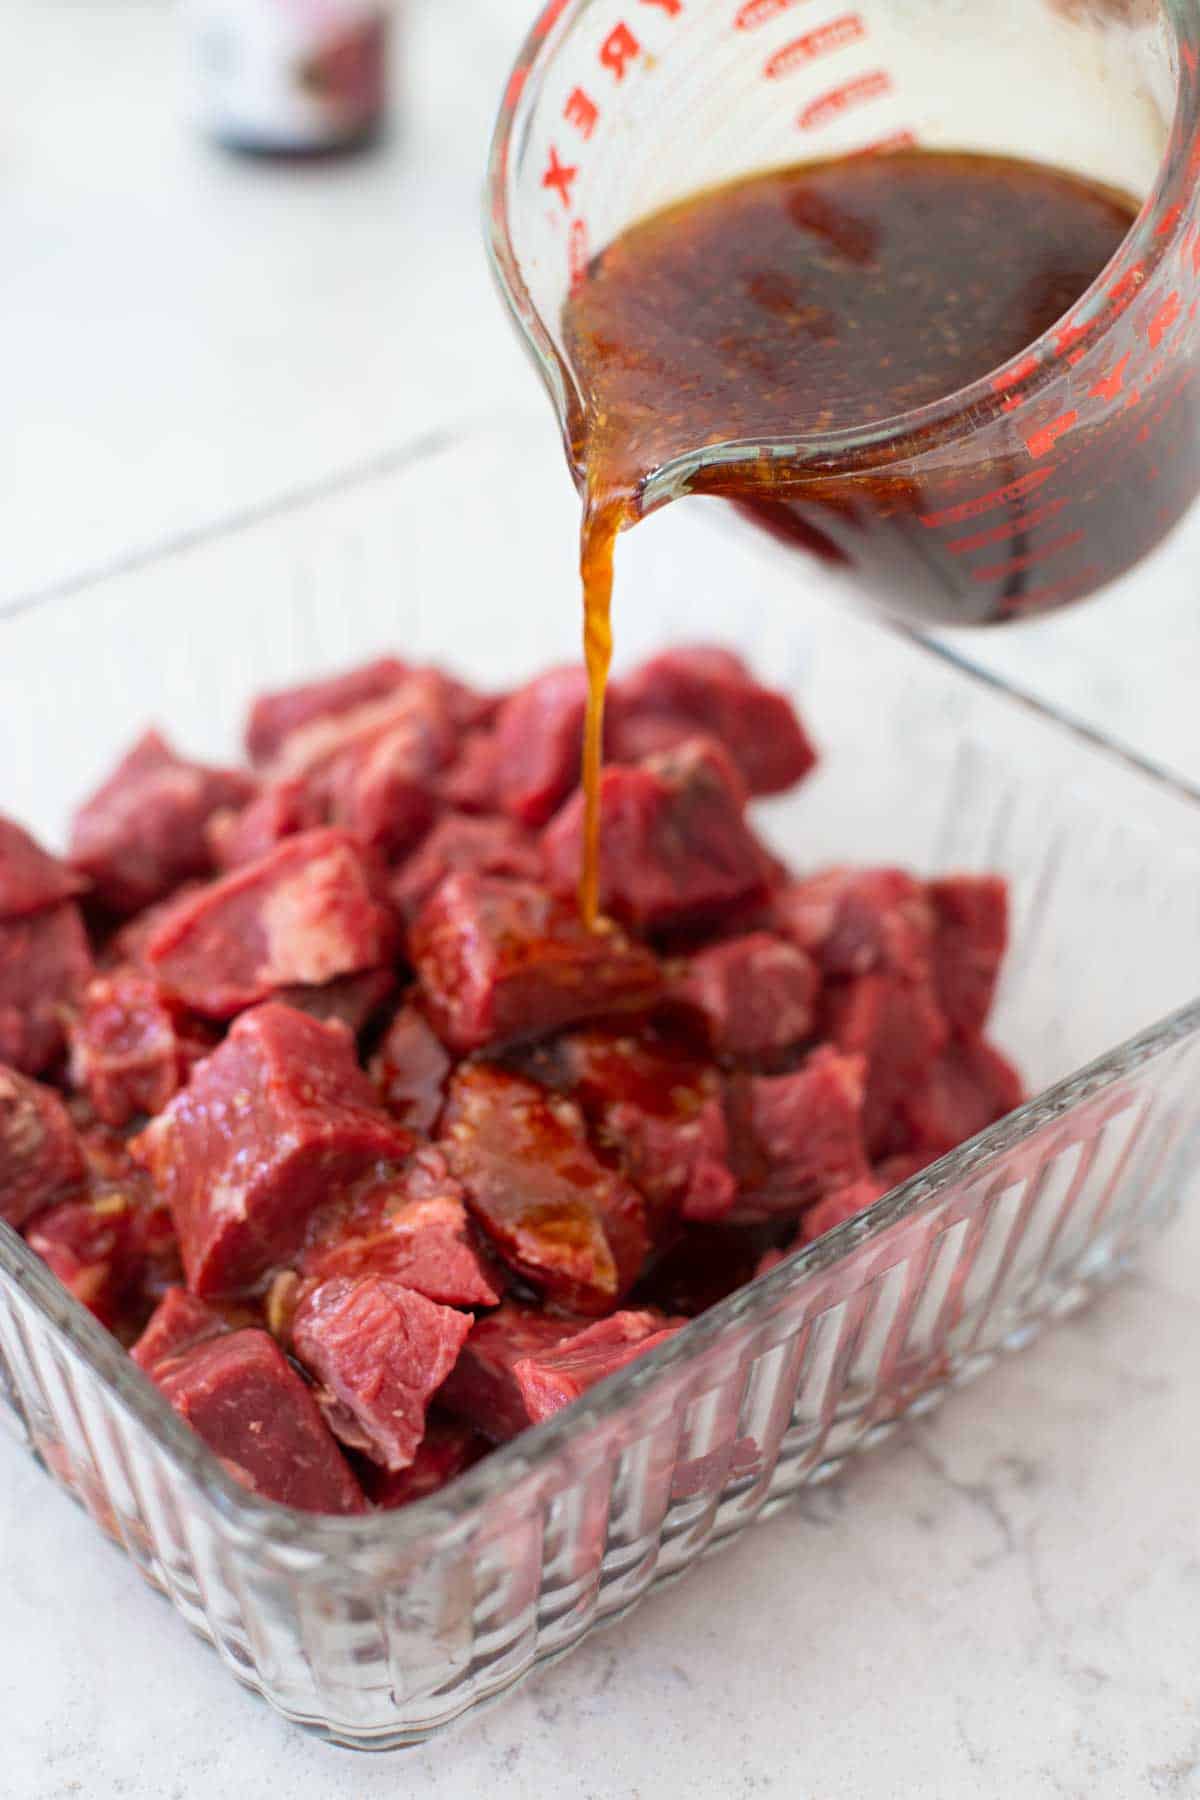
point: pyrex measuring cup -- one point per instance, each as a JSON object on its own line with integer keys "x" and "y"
{"x": 1037, "y": 484}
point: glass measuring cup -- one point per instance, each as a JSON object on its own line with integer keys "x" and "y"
{"x": 1035, "y": 485}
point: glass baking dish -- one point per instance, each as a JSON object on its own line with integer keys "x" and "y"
{"x": 378, "y": 1631}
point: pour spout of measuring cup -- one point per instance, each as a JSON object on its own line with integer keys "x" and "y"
{"x": 1032, "y": 487}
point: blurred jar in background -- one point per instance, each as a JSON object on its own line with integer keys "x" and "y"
{"x": 289, "y": 77}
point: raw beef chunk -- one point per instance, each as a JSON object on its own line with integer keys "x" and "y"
{"x": 446, "y": 1450}
{"x": 675, "y": 848}
{"x": 411, "y": 1227}
{"x": 30, "y": 878}
{"x": 410, "y": 1069}
{"x": 274, "y": 717}
{"x": 40, "y": 1152}
{"x": 502, "y": 960}
{"x": 552, "y": 1378}
{"x": 178, "y": 1321}
{"x": 709, "y": 690}
{"x": 350, "y": 1000}
{"x": 845, "y": 1203}
{"x": 270, "y": 1125}
{"x": 657, "y": 1107}
{"x": 306, "y": 913}
{"x": 898, "y": 1027}
{"x": 538, "y": 744}
{"x": 45, "y": 963}
{"x": 482, "y": 1387}
{"x": 799, "y": 1136}
{"x": 242, "y": 1396}
{"x": 132, "y": 1046}
{"x": 380, "y": 1351}
{"x": 972, "y": 937}
{"x": 969, "y": 1087}
{"x": 144, "y": 831}
{"x": 856, "y": 921}
{"x": 459, "y": 845}
{"x": 472, "y": 782}
{"x": 281, "y": 810}
{"x": 376, "y": 770}
{"x": 95, "y": 1246}
{"x": 755, "y": 995}
{"x": 573, "y": 1228}
{"x": 704, "y": 1265}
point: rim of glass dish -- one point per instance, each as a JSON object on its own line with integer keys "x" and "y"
{"x": 888, "y": 440}
{"x": 451, "y": 1514}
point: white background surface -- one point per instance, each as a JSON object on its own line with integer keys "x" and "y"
{"x": 1006, "y": 1600}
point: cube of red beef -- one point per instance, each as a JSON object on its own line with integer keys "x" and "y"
{"x": 858, "y": 921}
{"x": 482, "y": 1388}
{"x": 969, "y": 1087}
{"x": 472, "y": 782}
{"x": 40, "y": 1152}
{"x": 894, "y": 1170}
{"x": 799, "y": 1136}
{"x": 446, "y": 1450}
{"x": 755, "y": 995}
{"x": 410, "y": 1226}
{"x": 306, "y": 913}
{"x": 115, "y": 1181}
{"x": 95, "y": 1246}
{"x": 144, "y": 830}
{"x": 710, "y": 690}
{"x": 274, "y": 717}
{"x": 501, "y": 960}
{"x": 846, "y": 1203}
{"x": 899, "y": 1029}
{"x": 45, "y": 964}
{"x": 539, "y": 743}
{"x": 971, "y": 914}
{"x": 376, "y": 770}
{"x": 460, "y": 845}
{"x": 132, "y": 1046}
{"x": 349, "y": 1000}
{"x": 270, "y": 1125}
{"x": 675, "y": 848}
{"x": 707, "y": 1264}
{"x": 380, "y": 1351}
{"x": 552, "y": 1378}
{"x": 573, "y": 1228}
{"x": 30, "y": 878}
{"x": 657, "y": 1107}
{"x": 178, "y": 1321}
{"x": 241, "y": 1395}
{"x": 383, "y": 789}
{"x": 281, "y": 810}
{"x": 410, "y": 1069}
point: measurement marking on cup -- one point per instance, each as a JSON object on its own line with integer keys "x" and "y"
{"x": 895, "y": 140}
{"x": 1009, "y": 528}
{"x": 851, "y": 28}
{"x": 986, "y": 503}
{"x": 858, "y": 92}
{"x": 761, "y": 12}
{"x": 1067, "y": 589}
{"x": 1016, "y": 565}
{"x": 1040, "y": 443}
{"x": 1110, "y": 385}
{"x": 1164, "y": 318}
{"x": 1019, "y": 372}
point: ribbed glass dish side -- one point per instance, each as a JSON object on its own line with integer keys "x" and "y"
{"x": 381, "y": 1632}
{"x": 383, "y": 1658}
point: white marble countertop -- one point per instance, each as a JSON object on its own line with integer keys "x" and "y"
{"x": 1005, "y": 1601}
